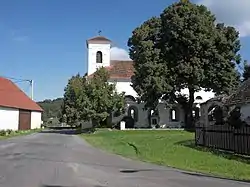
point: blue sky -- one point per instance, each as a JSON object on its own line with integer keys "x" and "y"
{"x": 46, "y": 40}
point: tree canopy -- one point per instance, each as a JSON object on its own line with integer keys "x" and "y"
{"x": 91, "y": 98}
{"x": 72, "y": 93}
{"x": 183, "y": 48}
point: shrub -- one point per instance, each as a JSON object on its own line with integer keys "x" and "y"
{"x": 8, "y": 131}
{"x": 234, "y": 118}
{"x": 2, "y": 133}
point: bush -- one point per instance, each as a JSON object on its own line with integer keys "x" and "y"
{"x": 234, "y": 118}
{"x": 9, "y": 131}
{"x": 2, "y": 133}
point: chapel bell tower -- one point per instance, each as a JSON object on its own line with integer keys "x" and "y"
{"x": 98, "y": 53}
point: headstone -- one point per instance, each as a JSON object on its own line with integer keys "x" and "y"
{"x": 122, "y": 125}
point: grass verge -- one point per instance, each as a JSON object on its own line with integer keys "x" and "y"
{"x": 10, "y": 134}
{"x": 171, "y": 148}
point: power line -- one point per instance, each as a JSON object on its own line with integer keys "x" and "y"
{"x": 16, "y": 79}
{"x": 19, "y": 81}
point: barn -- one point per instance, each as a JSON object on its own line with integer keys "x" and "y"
{"x": 17, "y": 110}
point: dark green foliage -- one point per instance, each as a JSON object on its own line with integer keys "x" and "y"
{"x": 184, "y": 48}
{"x": 149, "y": 78}
{"x": 234, "y": 118}
{"x": 72, "y": 93}
{"x": 199, "y": 53}
{"x": 91, "y": 99}
{"x": 219, "y": 114}
{"x": 7, "y": 132}
{"x": 103, "y": 97}
{"x": 52, "y": 108}
{"x": 246, "y": 73}
{"x": 3, "y": 133}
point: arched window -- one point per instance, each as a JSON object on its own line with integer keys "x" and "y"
{"x": 151, "y": 112}
{"x": 173, "y": 115}
{"x": 133, "y": 112}
{"x": 198, "y": 97}
{"x": 98, "y": 57}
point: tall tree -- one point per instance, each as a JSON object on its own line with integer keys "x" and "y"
{"x": 91, "y": 98}
{"x": 150, "y": 73}
{"x": 183, "y": 48}
{"x": 103, "y": 97}
{"x": 72, "y": 93}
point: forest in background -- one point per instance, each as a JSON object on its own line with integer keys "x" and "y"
{"x": 52, "y": 108}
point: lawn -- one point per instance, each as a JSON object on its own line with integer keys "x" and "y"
{"x": 170, "y": 148}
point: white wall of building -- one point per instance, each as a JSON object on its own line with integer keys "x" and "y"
{"x": 124, "y": 86}
{"x": 36, "y": 120}
{"x": 92, "y": 50}
{"x": 9, "y": 118}
{"x": 206, "y": 95}
{"x": 245, "y": 112}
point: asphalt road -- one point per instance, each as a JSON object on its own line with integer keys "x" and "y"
{"x": 65, "y": 160}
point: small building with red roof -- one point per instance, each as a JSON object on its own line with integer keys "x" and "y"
{"x": 17, "y": 110}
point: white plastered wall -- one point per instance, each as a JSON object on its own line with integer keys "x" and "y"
{"x": 92, "y": 50}
{"x": 36, "y": 120}
{"x": 9, "y": 118}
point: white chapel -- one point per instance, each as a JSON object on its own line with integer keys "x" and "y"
{"x": 99, "y": 49}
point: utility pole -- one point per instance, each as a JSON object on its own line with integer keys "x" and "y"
{"x": 31, "y": 82}
{"x": 32, "y": 88}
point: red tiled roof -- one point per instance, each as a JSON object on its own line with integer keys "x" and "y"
{"x": 11, "y": 96}
{"x": 120, "y": 69}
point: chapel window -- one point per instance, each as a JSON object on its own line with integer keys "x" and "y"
{"x": 98, "y": 57}
{"x": 173, "y": 115}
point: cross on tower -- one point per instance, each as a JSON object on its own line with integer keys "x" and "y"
{"x": 99, "y": 32}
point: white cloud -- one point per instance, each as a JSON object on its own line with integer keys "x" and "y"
{"x": 231, "y": 12}
{"x": 119, "y": 54}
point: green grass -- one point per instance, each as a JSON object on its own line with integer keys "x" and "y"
{"x": 171, "y": 148}
{"x": 19, "y": 133}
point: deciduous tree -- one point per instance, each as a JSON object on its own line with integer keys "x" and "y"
{"x": 72, "y": 93}
{"x": 183, "y": 48}
{"x": 91, "y": 98}
{"x": 103, "y": 97}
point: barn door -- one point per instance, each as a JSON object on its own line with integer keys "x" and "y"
{"x": 24, "y": 120}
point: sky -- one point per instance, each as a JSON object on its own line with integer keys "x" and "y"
{"x": 46, "y": 40}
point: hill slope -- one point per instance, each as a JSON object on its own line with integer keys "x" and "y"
{"x": 52, "y": 108}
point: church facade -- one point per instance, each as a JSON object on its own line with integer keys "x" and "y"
{"x": 99, "y": 49}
